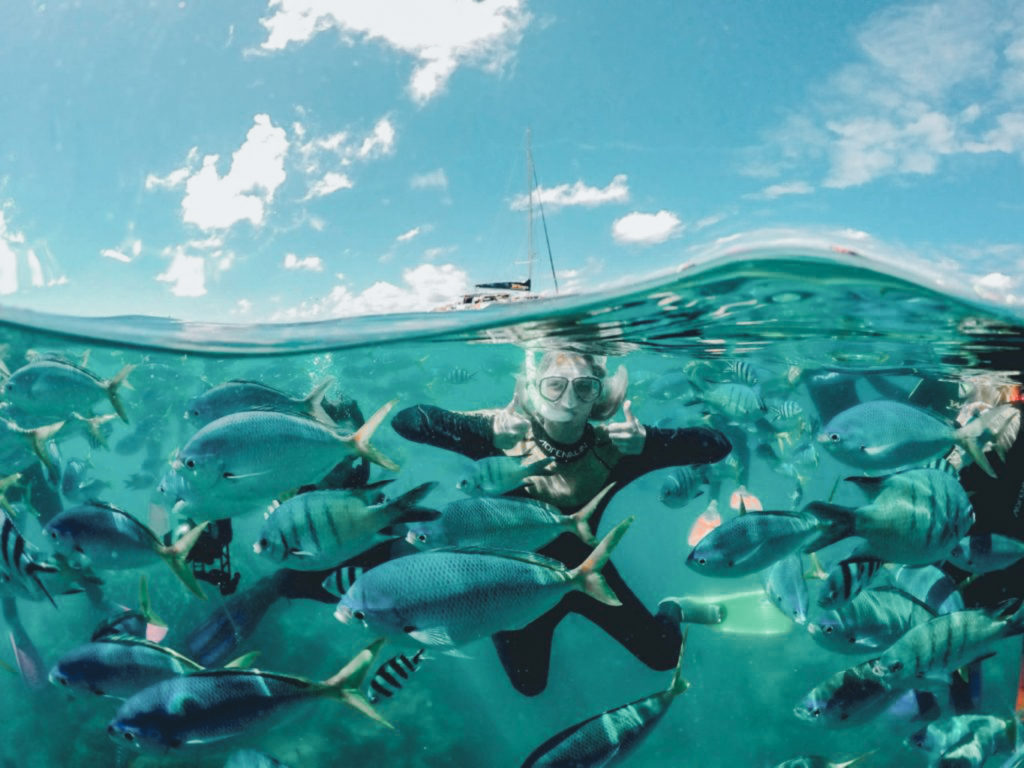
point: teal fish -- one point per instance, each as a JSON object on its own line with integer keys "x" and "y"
{"x": 847, "y": 579}
{"x": 966, "y": 740}
{"x": 736, "y": 401}
{"x": 986, "y": 552}
{"x": 849, "y": 697}
{"x": 47, "y": 391}
{"x": 496, "y": 475}
{"x": 609, "y": 738}
{"x": 212, "y": 705}
{"x": 750, "y": 542}
{"x": 22, "y": 565}
{"x": 683, "y": 485}
{"x": 390, "y": 676}
{"x": 240, "y": 395}
{"x": 786, "y": 587}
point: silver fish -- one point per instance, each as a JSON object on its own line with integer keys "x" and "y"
{"x": 849, "y": 697}
{"x": 495, "y": 475}
{"x": 750, "y": 542}
{"x": 217, "y": 704}
{"x": 966, "y": 740}
{"x": 611, "y": 737}
{"x": 22, "y": 566}
{"x": 447, "y": 598}
{"x": 242, "y": 461}
{"x": 683, "y": 485}
{"x": 869, "y": 623}
{"x": 736, "y": 401}
{"x": 785, "y": 585}
{"x": 392, "y": 674}
{"x": 46, "y": 391}
{"x": 320, "y": 529}
{"x": 240, "y": 395}
{"x": 847, "y": 579}
{"x": 505, "y": 523}
{"x": 986, "y": 552}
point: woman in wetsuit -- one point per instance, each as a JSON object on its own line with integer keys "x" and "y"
{"x": 559, "y": 397}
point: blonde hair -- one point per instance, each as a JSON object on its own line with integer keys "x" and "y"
{"x": 613, "y": 389}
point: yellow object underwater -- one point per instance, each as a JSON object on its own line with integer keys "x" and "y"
{"x": 748, "y": 613}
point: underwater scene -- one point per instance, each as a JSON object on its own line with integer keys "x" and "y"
{"x": 762, "y": 512}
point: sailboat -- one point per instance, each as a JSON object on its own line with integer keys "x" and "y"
{"x": 508, "y": 292}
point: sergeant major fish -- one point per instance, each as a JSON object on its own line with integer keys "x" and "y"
{"x": 448, "y": 598}
{"x": 986, "y": 552}
{"x": 213, "y": 705}
{"x": 609, "y": 738}
{"x": 22, "y": 564}
{"x": 846, "y": 580}
{"x": 683, "y": 485}
{"x": 391, "y": 675}
{"x": 496, "y": 475}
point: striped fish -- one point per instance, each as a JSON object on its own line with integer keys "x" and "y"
{"x": 390, "y": 676}
{"x": 986, "y": 552}
{"x": 737, "y": 401}
{"x": 847, "y": 580}
{"x": 786, "y": 411}
{"x": 22, "y": 564}
{"x": 683, "y": 485}
{"x": 742, "y": 372}
{"x": 495, "y": 475}
{"x": 340, "y": 580}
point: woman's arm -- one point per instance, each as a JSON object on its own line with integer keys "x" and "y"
{"x": 672, "y": 448}
{"x": 471, "y": 434}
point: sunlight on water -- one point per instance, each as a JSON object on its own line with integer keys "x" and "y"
{"x": 766, "y": 350}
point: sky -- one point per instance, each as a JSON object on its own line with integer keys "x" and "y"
{"x": 292, "y": 160}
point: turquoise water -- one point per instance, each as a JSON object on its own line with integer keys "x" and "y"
{"x": 789, "y": 315}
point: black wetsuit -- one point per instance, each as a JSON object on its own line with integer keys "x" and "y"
{"x": 526, "y": 653}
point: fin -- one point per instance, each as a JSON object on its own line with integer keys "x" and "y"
{"x": 903, "y": 593}
{"x": 145, "y": 606}
{"x": 855, "y": 760}
{"x": 435, "y": 636}
{"x": 535, "y": 468}
{"x": 112, "y": 386}
{"x": 817, "y": 571}
{"x": 455, "y": 653}
{"x": 92, "y": 425}
{"x": 175, "y": 557}
{"x": 33, "y": 572}
{"x": 242, "y": 662}
{"x": 581, "y": 519}
{"x": 361, "y": 439}
{"x": 315, "y": 399}
{"x": 588, "y": 574}
{"x": 869, "y": 484}
{"x": 299, "y": 553}
{"x": 984, "y": 428}
{"x": 404, "y": 509}
{"x": 345, "y": 684}
{"x": 837, "y": 523}
{"x": 233, "y": 476}
{"x": 39, "y": 436}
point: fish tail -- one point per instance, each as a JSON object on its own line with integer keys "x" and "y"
{"x": 175, "y": 557}
{"x": 588, "y": 573}
{"x": 989, "y": 427}
{"x": 856, "y": 760}
{"x": 405, "y": 508}
{"x": 581, "y": 519}
{"x": 315, "y": 401}
{"x": 95, "y": 437}
{"x": 113, "y": 385}
{"x": 345, "y": 684}
{"x": 146, "y": 606}
{"x": 39, "y": 436}
{"x": 537, "y": 467}
{"x": 242, "y": 662}
{"x": 836, "y": 522}
{"x": 361, "y": 439}
{"x": 679, "y": 683}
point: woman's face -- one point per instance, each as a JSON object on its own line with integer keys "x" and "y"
{"x": 566, "y": 391}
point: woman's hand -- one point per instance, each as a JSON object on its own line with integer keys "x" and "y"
{"x": 629, "y": 435}
{"x": 509, "y": 427}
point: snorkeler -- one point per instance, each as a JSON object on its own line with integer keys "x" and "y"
{"x": 559, "y": 397}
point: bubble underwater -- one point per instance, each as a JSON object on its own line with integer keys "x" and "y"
{"x": 777, "y": 321}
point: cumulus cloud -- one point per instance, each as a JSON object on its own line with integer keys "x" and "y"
{"x": 320, "y": 157}
{"x": 13, "y": 250}
{"x": 186, "y": 274}
{"x": 435, "y": 179}
{"x": 329, "y": 184}
{"x": 124, "y": 253}
{"x": 565, "y": 195}
{"x": 929, "y": 80}
{"x": 441, "y": 35}
{"x": 995, "y": 286}
{"x": 309, "y": 263}
{"x": 646, "y": 228}
{"x": 425, "y": 287}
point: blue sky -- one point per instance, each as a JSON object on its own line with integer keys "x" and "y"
{"x": 306, "y": 159}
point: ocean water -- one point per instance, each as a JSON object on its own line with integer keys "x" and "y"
{"x": 788, "y": 315}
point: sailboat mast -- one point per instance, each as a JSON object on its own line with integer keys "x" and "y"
{"x": 529, "y": 217}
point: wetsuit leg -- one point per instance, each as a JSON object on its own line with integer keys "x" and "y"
{"x": 526, "y": 653}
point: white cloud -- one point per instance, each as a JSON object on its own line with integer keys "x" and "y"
{"x": 329, "y": 184}
{"x": 426, "y": 287}
{"x": 441, "y": 35}
{"x": 995, "y": 286}
{"x": 779, "y": 190}
{"x": 215, "y": 202}
{"x": 930, "y": 80}
{"x": 646, "y": 228}
{"x": 186, "y": 273}
{"x": 565, "y": 195}
{"x": 309, "y": 263}
{"x": 407, "y": 236}
{"x": 13, "y": 250}
{"x": 435, "y": 179}
{"x": 432, "y": 253}
{"x": 116, "y": 255}
{"x": 242, "y": 307}
{"x": 380, "y": 142}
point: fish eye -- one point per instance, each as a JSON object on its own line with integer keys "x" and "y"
{"x": 834, "y": 437}
{"x": 896, "y": 666}
{"x": 128, "y": 736}
{"x": 195, "y": 411}
{"x": 816, "y": 712}
{"x": 702, "y": 561}
{"x": 190, "y": 463}
{"x": 422, "y": 538}
{"x": 358, "y": 615}
{"x": 263, "y": 544}
{"x": 828, "y": 630}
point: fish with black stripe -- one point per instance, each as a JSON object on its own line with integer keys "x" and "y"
{"x": 847, "y": 580}
{"x": 392, "y": 674}
{"x": 22, "y": 564}
{"x": 341, "y": 579}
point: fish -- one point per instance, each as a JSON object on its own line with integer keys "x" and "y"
{"x": 447, "y": 598}
{"x": 785, "y": 413}
{"x": 496, "y": 475}
{"x": 742, "y": 372}
{"x": 933, "y": 649}
{"x": 457, "y": 375}
{"x": 915, "y": 517}
{"x": 242, "y": 461}
{"x": 23, "y": 565}
{"x": 111, "y": 539}
{"x": 340, "y": 580}
{"x": 986, "y": 552}
{"x": 706, "y": 522}
{"x": 785, "y": 586}
{"x": 212, "y": 705}
{"x": 321, "y": 529}
{"x": 391, "y": 675}
{"x": 120, "y": 666}
{"x": 610, "y": 737}
{"x": 847, "y": 698}
{"x": 738, "y": 402}
{"x": 21, "y": 448}
{"x": 250, "y": 758}
{"x": 751, "y": 542}
{"x": 683, "y": 485}
{"x": 77, "y": 486}
{"x": 966, "y": 740}
{"x": 817, "y": 761}
{"x": 504, "y": 523}
{"x": 847, "y": 579}
{"x": 885, "y": 435}
{"x": 240, "y": 395}
{"x": 46, "y": 391}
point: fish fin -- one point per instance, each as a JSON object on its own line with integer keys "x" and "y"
{"x": 816, "y": 572}
{"x": 903, "y": 593}
{"x": 315, "y": 402}
{"x": 455, "y": 653}
{"x": 837, "y": 522}
{"x": 535, "y": 468}
{"x": 404, "y": 508}
{"x": 581, "y": 519}
{"x": 433, "y": 636}
{"x": 357, "y": 700}
{"x": 354, "y": 672}
{"x": 146, "y": 606}
{"x": 361, "y": 439}
{"x": 855, "y": 760}
{"x": 34, "y": 573}
{"x": 299, "y": 553}
{"x": 246, "y": 476}
{"x": 588, "y": 574}
{"x": 175, "y": 556}
{"x": 872, "y": 485}
{"x": 242, "y": 662}
{"x": 113, "y": 385}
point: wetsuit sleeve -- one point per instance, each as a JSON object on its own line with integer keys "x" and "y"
{"x": 672, "y": 448}
{"x": 470, "y": 434}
